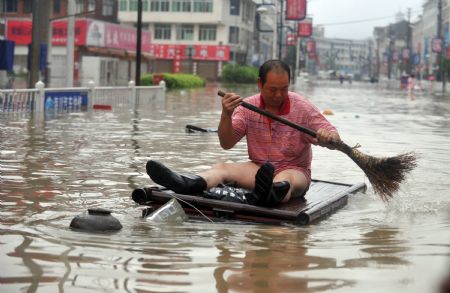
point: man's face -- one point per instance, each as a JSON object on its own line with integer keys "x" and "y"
{"x": 275, "y": 90}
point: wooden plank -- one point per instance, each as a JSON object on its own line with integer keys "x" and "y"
{"x": 322, "y": 198}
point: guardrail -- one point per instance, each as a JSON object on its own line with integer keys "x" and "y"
{"x": 41, "y": 100}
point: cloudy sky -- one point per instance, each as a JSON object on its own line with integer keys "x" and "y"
{"x": 364, "y": 15}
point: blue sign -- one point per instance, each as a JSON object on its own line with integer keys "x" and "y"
{"x": 66, "y": 100}
{"x": 415, "y": 59}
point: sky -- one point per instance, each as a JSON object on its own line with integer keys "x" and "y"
{"x": 333, "y": 12}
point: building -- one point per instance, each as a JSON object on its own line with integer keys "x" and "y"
{"x": 195, "y": 36}
{"x": 104, "y": 50}
{"x": 342, "y": 56}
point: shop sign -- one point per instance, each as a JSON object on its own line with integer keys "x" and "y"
{"x": 296, "y": 9}
{"x": 305, "y": 28}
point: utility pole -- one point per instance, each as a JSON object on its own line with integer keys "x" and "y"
{"x": 49, "y": 43}
{"x": 408, "y": 44}
{"x": 70, "y": 41}
{"x": 280, "y": 31}
{"x": 390, "y": 50}
{"x": 138, "y": 44}
{"x": 35, "y": 47}
{"x": 440, "y": 54}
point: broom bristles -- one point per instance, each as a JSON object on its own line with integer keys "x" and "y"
{"x": 385, "y": 174}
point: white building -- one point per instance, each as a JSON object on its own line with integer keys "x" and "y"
{"x": 195, "y": 36}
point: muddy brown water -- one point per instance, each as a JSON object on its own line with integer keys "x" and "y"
{"x": 55, "y": 169}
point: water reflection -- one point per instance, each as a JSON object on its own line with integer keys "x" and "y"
{"x": 265, "y": 266}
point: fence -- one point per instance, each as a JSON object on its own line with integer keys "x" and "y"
{"x": 41, "y": 99}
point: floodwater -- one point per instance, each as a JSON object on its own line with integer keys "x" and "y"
{"x": 55, "y": 169}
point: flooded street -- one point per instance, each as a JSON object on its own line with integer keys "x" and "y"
{"x": 55, "y": 169}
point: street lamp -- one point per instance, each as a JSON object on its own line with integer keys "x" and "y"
{"x": 263, "y": 9}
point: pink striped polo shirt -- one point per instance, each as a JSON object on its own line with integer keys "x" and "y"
{"x": 283, "y": 146}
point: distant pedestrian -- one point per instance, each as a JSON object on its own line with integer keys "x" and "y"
{"x": 341, "y": 78}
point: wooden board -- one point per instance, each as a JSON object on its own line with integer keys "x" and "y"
{"x": 322, "y": 198}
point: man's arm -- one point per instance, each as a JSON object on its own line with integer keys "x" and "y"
{"x": 327, "y": 138}
{"x": 226, "y": 136}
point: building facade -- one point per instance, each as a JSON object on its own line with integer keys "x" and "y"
{"x": 104, "y": 51}
{"x": 195, "y": 36}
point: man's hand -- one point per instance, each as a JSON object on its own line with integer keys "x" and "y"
{"x": 229, "y": 102}
{"x": 327, "y": 138}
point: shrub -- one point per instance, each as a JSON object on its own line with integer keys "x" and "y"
{"x": 239, "y": 74}
{"x": 176, "y": 80}
{"x": 147, "y": 79}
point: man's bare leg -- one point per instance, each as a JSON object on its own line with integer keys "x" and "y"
{"x": 243, "y": 174}
{"x": 296, "y": 179}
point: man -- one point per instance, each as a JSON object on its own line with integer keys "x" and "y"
{"x": 280, "y": 156}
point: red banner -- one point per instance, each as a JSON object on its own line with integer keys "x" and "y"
{"x": 305, "y": 28}
{"x": 199, "y": 52}
{"x": 87, "y": 32}
{"x": 296, "y": 9}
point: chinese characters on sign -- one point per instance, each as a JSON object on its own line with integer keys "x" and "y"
{"x": 296, "y": 9}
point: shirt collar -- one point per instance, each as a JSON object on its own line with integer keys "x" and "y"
{"x": 285, "y": 107}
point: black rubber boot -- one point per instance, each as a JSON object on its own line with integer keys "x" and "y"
{"x": 184, "y": 184}
{"x": 267, "y": 193}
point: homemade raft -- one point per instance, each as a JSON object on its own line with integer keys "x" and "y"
{"x": 322, "y": 199}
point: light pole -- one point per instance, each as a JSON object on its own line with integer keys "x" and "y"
{"x": 138, "y": 44}
{"x": 278, "y": 40}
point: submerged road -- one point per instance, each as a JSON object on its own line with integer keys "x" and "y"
{"x": 52, "y": 171}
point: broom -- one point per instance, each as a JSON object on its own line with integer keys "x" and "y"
{"x": 385, "y": 174}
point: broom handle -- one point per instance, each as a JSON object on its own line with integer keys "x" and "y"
{"x": 274, "y": 117}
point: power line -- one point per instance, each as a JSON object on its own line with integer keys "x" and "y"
{"x": 361, "y": 20}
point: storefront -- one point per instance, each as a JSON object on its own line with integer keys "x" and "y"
{"x": 111, "y": 46}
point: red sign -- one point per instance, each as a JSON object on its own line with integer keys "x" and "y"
{"x": 177, "y": 60}
{"x": 19, "y": 32}
{"x": 311, "y": 46}
{"x": 199, "y": 52}
{"x": 305, "y": 28}
{"x": 291, "y": 40}
{"x": 87, "y": 32}
{"x": 296, "y": 9}
{"x": 59, "y": 33}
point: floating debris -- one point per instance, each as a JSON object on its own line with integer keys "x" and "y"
{"x": 96, "y": 220}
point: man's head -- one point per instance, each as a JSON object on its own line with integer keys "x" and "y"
{"x": 273, "y": 83}
{"x": 273, "y": 65}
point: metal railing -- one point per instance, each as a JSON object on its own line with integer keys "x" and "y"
{"x": 40, "y": 99}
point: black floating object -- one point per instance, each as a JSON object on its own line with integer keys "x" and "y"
{"x": 193, "y": 129}
{"x": 96, "y": 220}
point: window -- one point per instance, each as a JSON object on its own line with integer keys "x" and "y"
{"x": 207, "y": 33}
{"x": 91, "y": 5}
{"x": 181, "y": 5}
{"x": 56, "y": 6}
{"x": 233, "y": 37}
{"x": 185, "y": 32}
{"x": 159, "y": 5}
{"x": 8, "y": 6}
{"x": 27, "y": 5}
{"x": 108, "y": 7}
{"x": 123, "y": 5}
{"x": 79, "y": 6}
{"x": 235, "y": 7}
{"x": 144, "y": 5}
{"x": 203, "y": 5}
{"x": 133, "y": 5}
{"x": 162, "y": 31}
